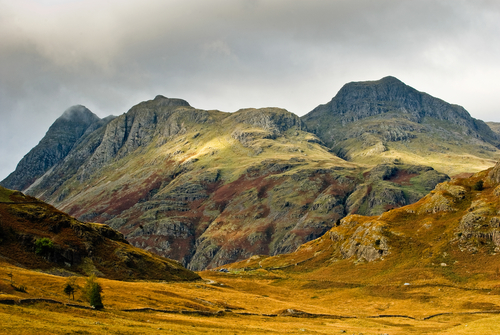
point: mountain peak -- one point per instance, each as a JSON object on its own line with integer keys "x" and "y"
{"x": 79, "y": 113}
{"x": 53, "y": 148}
{"x": 163, "y": 101}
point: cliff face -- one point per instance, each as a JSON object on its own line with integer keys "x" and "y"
{"x": 208, "y": 188}
{"x": 387, "y": 120}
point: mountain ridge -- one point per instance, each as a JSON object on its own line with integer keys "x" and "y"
{"x": 208, "y": 187}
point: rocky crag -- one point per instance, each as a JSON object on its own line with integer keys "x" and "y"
{"x": 35, "y": 235}
{"x": 208, "y": 188}
{"x": 387, "y": 120}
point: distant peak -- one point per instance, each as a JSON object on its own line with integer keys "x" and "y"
{"x": 390, "y": 78}
{"x": 383, "y": 81}
{"x": 164, "y": 101}
{"x": 79, "y": 113}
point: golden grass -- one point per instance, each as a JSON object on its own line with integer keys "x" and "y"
{"x": 258, "y": 292}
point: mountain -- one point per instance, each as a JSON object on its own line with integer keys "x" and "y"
{"x": 208, "y": 188}
{"x": 386, "y": 120}
{"x": 76, "y": 122}
{"x": 450, "y": 236}
{"x": 35, "y": 235}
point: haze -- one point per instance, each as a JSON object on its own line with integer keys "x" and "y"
{"x": 234, "y": 54}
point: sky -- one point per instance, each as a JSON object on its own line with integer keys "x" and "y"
{"x": 109, "y": 55}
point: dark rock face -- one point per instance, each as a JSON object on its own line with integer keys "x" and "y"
{"x": 53, "y": 148}
{"x": 359, "y": 100}
{"x": 494, "y": 174}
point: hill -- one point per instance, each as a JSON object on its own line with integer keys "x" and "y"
{"x": 449, "y": 237}
{"x": 35, "y": 235}
{"x": 208, "y": 188}
{"x": 386, "y": 120}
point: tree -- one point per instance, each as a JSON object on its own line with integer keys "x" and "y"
{"x": 71, "y": 286}
{"x": 43, "y": 246}
{"x": 69, "y": 290}
{"x": 92, "y": 292}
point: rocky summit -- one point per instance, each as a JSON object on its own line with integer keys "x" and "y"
{"x": 208, "y": 188}
{"x": 378, "y": 121}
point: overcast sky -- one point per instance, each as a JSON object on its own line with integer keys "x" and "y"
{"x": 109, "y": 55}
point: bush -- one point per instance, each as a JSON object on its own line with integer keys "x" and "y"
{"x": 92, "y": 292}
{"x": 479, "y": 186}
{"x": 43, "y": 246}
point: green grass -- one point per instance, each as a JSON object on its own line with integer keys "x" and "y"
{"x": 5, "y": 194}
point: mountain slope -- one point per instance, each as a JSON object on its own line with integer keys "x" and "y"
{"x": 208, "y": 188}
{"x": 386, "y": 120}
{"x": 495, "y": 126}
{"x": 451, "y": 235}
{"x": 35, "y": 235}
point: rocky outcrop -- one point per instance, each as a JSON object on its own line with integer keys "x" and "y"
{"x": 359, "y": 100}
{"x": 59, "y": 140}
{"x": 494, "y": 174}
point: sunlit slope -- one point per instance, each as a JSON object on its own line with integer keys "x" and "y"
{"x": 35, "y": 235}
{"x": 385, "y": 120}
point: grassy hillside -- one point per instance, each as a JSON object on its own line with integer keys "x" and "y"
{"x": 495, "y": 126}
{"x": 252, "y": 302}
{"x": 448, "y": 237}
{"x": 35, "y": 235}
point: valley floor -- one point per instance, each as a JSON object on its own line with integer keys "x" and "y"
{"x": 256, "y": 302}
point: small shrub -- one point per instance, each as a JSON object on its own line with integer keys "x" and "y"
{"x": 92, "y": 292}
{"x": 43, "y": 246}
{"x": 479, "y": 186}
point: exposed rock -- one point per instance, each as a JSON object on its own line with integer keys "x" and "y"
{"x": 494, "y": 174}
